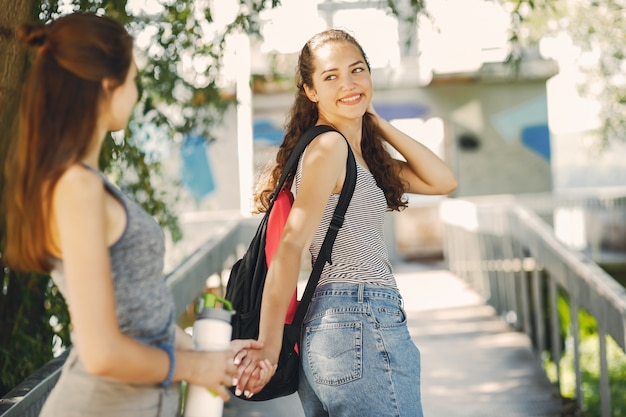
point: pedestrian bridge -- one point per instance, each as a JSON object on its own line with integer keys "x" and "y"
{"x": 484, "y": 318}
{"x": 473, "y": 363}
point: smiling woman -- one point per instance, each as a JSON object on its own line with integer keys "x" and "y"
{"x": 356, "y": 304}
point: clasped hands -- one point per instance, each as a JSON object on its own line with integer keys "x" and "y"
{"x": 254, "y": 370}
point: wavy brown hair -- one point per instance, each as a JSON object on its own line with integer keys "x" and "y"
{"x": 57, "y": 121}
{"x": 303, "y": 115}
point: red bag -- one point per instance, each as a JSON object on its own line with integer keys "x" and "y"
{"x": 275, "y": 224}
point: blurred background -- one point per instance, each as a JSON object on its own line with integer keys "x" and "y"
{"x": 524, "y": 99}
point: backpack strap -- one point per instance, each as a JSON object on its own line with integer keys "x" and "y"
{"x": 335, "y": 224}
{"x": 292, "y": 162}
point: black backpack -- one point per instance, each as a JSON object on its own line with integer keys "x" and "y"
{"x": 247, "y": 277}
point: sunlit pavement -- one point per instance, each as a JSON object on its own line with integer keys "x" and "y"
{"x": 473, "y": 364}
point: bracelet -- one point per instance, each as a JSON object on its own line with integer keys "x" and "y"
{"x": 170, "y": 375}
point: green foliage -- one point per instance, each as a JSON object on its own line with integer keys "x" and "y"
{"x": 27, "y": 303}
{"x": 598, "y": 28}
{"x": 408, "y": 12}
{"x": 604, "y": 35}
{"x": 590, "y": 363}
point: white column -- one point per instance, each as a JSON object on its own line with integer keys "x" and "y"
{"x": 244, "y": 122}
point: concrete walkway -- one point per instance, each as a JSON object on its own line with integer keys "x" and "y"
{"x": 473, "y": 364}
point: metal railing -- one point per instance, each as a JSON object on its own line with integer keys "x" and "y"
{"x": 227, "y": 242}
{"x": 512, "y": 257}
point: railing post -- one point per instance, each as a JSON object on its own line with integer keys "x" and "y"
{"x": 485, "y": 260}
{"x": 605, "y": 392}
{"x": 517, "y": 237}
{"x": 454, "y": 256}
{"x": 508, "y": 268}
{"x": 524, "y": 289}
{"x": 480, "y": 274}
{"x": 573, "y": 304}
{"x": 556, "y": 328}
{"x": 538, "y": 304}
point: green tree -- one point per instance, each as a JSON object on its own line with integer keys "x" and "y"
{"x": 598, "y": 28}
{"x": 177, "y": 101}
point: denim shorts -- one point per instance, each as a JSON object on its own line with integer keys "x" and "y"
{"x": 358, "y": 358}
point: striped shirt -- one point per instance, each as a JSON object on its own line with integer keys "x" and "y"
{"x": 359, "y": 254}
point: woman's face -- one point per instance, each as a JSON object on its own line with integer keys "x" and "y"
{"x": 342, "y": 83}
{"x": 122, "y": 100}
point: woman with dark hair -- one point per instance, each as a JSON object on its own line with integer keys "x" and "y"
{"x": 103, "y": 251}
{"x": 357, "y": 355}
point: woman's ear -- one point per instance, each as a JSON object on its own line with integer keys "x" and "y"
{"x": 107, "y": 85}
{"x": 310, "y": 93}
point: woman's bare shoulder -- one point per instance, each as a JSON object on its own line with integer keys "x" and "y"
{"x": 328, "y": 146}
{"x": 79, "y": 179}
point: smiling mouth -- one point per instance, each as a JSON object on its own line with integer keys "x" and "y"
{"x": 351, "y": 99}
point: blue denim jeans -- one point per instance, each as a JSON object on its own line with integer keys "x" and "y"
{"x": 358, "y": 358}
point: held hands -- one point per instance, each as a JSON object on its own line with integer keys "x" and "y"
{"x": 253, "y": 371}
{"x": 216, "y": 370}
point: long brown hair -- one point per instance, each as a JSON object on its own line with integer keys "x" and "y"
{"x": 303, "y": 115}
{"x": 57, "y": 121}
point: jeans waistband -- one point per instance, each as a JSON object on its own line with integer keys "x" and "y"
{"x": 358, "y": 291}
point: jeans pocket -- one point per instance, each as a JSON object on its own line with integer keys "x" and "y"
{"x": 389, "y": 316}
{"x": 335, "y": 352}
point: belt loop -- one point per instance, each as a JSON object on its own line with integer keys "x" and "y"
{"x": 361, "y": 289}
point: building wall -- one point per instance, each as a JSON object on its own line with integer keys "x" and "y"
{"x": 486, "y": 144}
{"x": 488, "y": 125}
{"x": 489, "y": 129}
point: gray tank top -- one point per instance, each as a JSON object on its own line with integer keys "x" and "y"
{"x": 144, "y": 304}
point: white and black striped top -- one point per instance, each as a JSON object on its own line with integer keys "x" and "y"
{"x": 359, "y": 254}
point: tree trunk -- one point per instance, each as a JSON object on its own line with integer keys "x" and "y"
{"x": 22, "y": 311}
{"x": 13, "y": 61}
